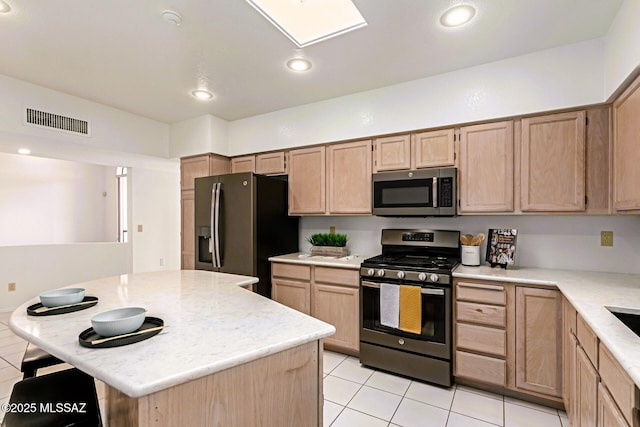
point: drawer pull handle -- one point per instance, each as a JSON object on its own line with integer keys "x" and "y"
{"x": 482, "y": 286}
{"x": 479, "y": 310}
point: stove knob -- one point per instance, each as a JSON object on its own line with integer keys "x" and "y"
{"x": 371, "y": 272}
{"x": 400, "y": 274}
{"x": 380, "y": 273}
{"x": 433, "y": 277}
{"x": 422, "y": 277}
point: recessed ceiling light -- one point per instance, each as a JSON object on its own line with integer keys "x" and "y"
{"x": 4, "y": 7}
{"x": 173, "y": 17}
{"x": 458, "y": 15}
{"x": 299, "y": 64}
{"x": 24, "y": 151}
{"x": 202, "y": 94}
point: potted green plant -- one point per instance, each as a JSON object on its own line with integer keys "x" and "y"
{"x": 328, "y": 244}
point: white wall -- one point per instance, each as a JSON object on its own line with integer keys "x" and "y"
{"x": 199, "y": 135}
{"x": 46, "y": 201}
{"x": 559, "y": 242}
{"x": 622, "y": 46}
{"x": 552, "y": 79}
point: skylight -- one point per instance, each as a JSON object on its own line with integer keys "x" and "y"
{"x": 306, "y": 22}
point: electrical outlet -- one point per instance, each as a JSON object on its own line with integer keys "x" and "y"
{"x": 606, "y": 238}
{"x": 11, "y": 287}
{"x": 332, "y": 229}
{"x": 139, "y": 228}
{"x": 161, "y": 262}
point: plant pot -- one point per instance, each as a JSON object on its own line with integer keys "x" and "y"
{"x": 337, "y": 251}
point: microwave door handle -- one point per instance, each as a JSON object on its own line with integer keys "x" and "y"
{"x": 215, "y": 214}
{"x": 435, "y": 191}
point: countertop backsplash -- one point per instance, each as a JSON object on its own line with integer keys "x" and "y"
{"x": 557, "y": 242}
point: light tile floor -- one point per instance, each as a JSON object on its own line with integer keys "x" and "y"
{"x": 356, "y": 396}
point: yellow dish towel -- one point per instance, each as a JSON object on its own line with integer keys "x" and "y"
{"x": 410, "y": 309}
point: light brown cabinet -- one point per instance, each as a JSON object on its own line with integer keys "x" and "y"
{"x": 608, "y": 413}
{"x": 331, "y": 180}
{"x": 415, "y": 151}
{"x": 190, "y": 169}
{"x": 329, "y": 294}
{"x": 587, "y": 389}
{"x": 626, "y": 149}
{"x": 539, "y": 340}
{"x": 486, "y": 168}
{"x": 243, "y": 164}
{"x": 552, "y": 163}
{"x": 433, "y": 149}
{"x": 271, "y": 163}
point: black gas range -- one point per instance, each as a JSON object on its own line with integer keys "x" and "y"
{"x": 417, "y": 258}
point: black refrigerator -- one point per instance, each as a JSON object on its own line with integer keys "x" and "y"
{"x": 241, "y": 220}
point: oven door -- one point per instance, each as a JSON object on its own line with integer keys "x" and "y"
{"x": 435, "y": 336}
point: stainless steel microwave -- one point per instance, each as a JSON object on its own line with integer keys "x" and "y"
{"x": 427, "y": 192}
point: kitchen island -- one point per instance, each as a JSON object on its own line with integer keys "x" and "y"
{"x": 227, "y": 356}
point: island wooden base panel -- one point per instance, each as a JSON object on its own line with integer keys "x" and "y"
{"x": 283, "y": 389}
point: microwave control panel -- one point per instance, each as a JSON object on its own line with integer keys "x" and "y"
{"x": 446, "y": 191}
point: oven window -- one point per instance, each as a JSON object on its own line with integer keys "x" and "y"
{"x": 405, "y": 193}
{"x": 433, "y": 316}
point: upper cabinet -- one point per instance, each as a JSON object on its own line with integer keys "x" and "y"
{"x": 243, "y": 164}
{"x": 432, "y": 149}
{"x": 392, "y": 153}
{"x": 307, "y": 183}
{"x": 552, "y": 166}
{"x": 486, "y": 168}
{"x": 416, "y": 151}
{"x": 626, "y": 149}
{"x": 274, "y": 163}
{"x": 334, "y": 180}
{"x": 349, "y": 178}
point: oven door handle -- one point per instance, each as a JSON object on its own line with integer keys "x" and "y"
{"x": 424, "y": 291}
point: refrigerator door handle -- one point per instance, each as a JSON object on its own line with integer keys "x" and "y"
{"x": 215, "y": 224}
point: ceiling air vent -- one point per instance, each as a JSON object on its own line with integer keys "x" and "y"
{"x": 56, "y": 121}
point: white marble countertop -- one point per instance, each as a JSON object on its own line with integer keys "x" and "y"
{"x": 349, "y": 261}
{"x": 212, "y": 324}
{"x": 590, "y": 293}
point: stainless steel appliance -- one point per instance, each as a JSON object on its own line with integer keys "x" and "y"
{"x": 426, "y": 192}
{"x": 423, "y": 258}
{"x": 240, "y": 221}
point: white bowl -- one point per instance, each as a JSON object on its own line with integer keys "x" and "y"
{"x": 118, "y": 321}
{"x": 59, "y": 297}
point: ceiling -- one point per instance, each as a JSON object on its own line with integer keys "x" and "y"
{"x": 121, "y": 53}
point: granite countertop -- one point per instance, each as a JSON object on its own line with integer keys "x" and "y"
{"x": 349, "y": 261}
{"x": 212, "y": 324}
{"x": 590, "y": 293}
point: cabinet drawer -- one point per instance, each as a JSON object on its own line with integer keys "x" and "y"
{"x": 619, "y": 384}
{"x": 338, "y": 276}
{"x": 481, "y": 338}
{"x": 481, "y": 368}
{"x": 481, "y": 313}
{"x": 292, "y": 271}
{"x": 588, "y": 340}
{"x": 481, "y": 292}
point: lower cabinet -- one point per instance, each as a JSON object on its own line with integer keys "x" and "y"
{"x": 509, "y": 336}
{"x": 329, "y": 294}
{"x": 601, "y": 393}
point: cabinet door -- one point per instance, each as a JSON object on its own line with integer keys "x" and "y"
{"x": 271, "y": 163}
{"x": 486, "y": 168}
{"x": 626, "y": 149}
{"x": 294, "y": 294}
{"x": 568, "y": 354}
{"x": 608, "y": 413}
{"x": 392, "y": 153}
{"x": 219, "y": 165}
{"x": 553, "y": 162}
{"x": 243, "y": 164}
{"x": 307, "y": 181}
{"x": 349, "y": 178}
{"x": 187, "y": 233}
{"x": 539, "y": 340}
{"x": 573, "y": 392}
{"x": 431, "y": 149}
{"x": 192, "y": 168}
{"x": 587, "y": 386}
{"x": 340, "y": 307}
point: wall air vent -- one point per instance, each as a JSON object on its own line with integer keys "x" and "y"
{"x": 56, "y": 121}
